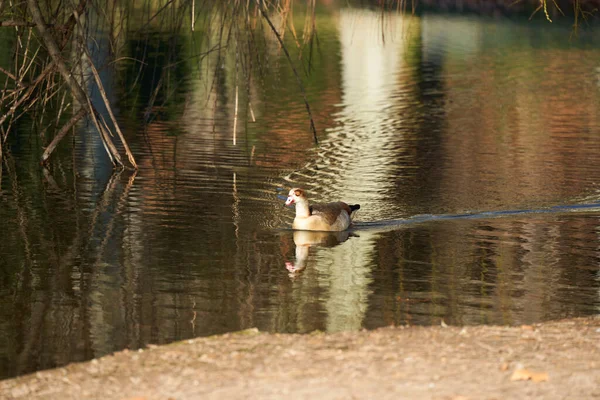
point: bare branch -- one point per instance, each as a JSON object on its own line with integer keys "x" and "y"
{"x": 62, "y": 133}
{"x": 287, "y": 54}
{"x": 67, "y": 75}
{"x": 17, "y": 23}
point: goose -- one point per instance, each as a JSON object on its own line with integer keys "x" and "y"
{"x": 332, "y": 217}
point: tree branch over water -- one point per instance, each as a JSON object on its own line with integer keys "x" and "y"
{"x": 287, "y": 54}
{"x": 69, "y": 77}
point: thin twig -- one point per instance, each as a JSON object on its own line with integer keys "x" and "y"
{"x": 62, "y": 133}
{"x": 16, "y": 23}
{"x": 109, "y": 109}
{"x": 251, "y": 112}
{"x": 287, "y": 54}
{"x": 10, "y": 75}
{"x": 60, "y": 108}
{"x": 235, "y": 116}
{"x": 193, "y": 14}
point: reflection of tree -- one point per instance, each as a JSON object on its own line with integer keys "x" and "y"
{"x": 497, "y": 271}
{"x": 153, "y": 85}
{"x": 60, "y": 269}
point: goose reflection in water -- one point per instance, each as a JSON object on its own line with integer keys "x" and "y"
{"x": 304, "y": 240}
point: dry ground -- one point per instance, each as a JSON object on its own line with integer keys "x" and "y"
{"x": 554, "y": 360}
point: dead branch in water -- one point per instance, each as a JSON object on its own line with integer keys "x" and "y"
{"x": 62, "y": 133}
{"x": 67, "y": 74}
{"x": 19, "y": 96}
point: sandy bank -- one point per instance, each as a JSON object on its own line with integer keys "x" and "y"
{"x": 553, "y": 360}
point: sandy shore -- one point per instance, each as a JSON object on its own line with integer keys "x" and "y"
{"x": 553, "y": 360}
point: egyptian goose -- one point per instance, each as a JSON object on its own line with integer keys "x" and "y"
{"x": 320, "y": 217}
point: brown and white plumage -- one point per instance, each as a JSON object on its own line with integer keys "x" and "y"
{"x": 319, "y": 217}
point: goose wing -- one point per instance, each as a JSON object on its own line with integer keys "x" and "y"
{"x": 329, "y": 211}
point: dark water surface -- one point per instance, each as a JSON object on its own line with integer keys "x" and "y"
{"x": 473, "y": 146}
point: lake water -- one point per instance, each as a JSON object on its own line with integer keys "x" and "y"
{"x": 472, "y": 145}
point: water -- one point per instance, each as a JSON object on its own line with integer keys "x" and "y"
{"x": 472, "y": 145}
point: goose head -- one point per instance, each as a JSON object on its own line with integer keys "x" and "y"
{"x": 295, "y": 196}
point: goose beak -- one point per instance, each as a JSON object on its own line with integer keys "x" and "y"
{"x": 290, "y": 200}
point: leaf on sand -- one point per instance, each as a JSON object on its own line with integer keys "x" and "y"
{"x": 526, "y": 375}
{"x": 527, "y": 328}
